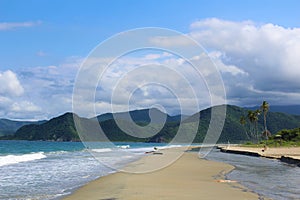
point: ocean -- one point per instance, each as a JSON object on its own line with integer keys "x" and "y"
{"x": 40, "y": 170}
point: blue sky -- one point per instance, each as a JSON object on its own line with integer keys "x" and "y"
{"x": 41, "y": 37}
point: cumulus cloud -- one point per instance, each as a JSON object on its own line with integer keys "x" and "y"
{"x": 24, "y": 106}
{"x": 50, "y": 88}
{"x": 13, "y": 25}
{"x": 256, "y": 62}
{"x": 267, "y": 53}
{"x": 138, "y": 81}
{"x": 38, "y": 92}
{"x": 13, "y": 103}
{"x": 10, "y": 84}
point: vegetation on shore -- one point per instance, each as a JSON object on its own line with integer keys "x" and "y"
{"x": 252, "y": 119}
{"x": 283, "y": 137}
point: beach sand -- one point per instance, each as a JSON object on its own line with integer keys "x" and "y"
{"x": 187, "y": 178}
{"x": 275, "y": 153}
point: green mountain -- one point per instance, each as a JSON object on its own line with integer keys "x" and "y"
{"x": 142, "y": 115}
{"x": 57, "y": 129}
{"x": 62, "y": 128}
{"x": 9, "y": 127}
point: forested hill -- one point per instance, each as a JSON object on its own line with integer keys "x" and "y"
{"x": 62, "y": 128}
{"x": 9, "y": 127}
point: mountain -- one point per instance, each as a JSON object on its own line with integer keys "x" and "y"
{"x": 142, "y": 115}
{"x": 288, "y": 109}
{"x": 62, "y": 128}
{"x": 233, "y": 131}
{"x": 9, "y": 127}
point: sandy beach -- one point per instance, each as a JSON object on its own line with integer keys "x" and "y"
{"x": 276, "y": 153}
{"x": 187, "y": 178}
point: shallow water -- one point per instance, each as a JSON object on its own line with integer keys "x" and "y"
{"x": 267, "y": 177}
{"x": 50, "y": 170}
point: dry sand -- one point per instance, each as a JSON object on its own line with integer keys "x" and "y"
{"x": 278, "y": 152}
{"x": 187, "y": 178}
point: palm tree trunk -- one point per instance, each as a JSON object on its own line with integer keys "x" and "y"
{"x": 256, "y": 131}
{"x": 265, "y": 124}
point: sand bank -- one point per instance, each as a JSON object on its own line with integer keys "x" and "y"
{"x": 285, "y": 154}
{"x": 187, "y": 178}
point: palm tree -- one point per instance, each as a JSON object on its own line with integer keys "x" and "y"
{"x": 253, "y": 118}
{"x": 256, "y": 114}
{"x": 243, "y": 123}
{"x": 265, "y": 108}
{"x": 250, "y": 116}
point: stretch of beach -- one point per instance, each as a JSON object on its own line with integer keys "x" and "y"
{"x": 286, "y": 154}
{"x": 189, "y": 177}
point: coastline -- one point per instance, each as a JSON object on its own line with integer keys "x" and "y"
{"x": 187, "y": 178}
{"x": 290, "y": 155}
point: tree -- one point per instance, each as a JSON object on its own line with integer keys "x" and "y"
{"x": 256, "y": 114}
{"x": 243, "y": 123}
{"x": 250, "y": 116}
{"x": 265, "y": 108}
{"x": 253, "y": 118}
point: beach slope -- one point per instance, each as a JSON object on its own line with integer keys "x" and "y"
{"x": 187, "y": 178}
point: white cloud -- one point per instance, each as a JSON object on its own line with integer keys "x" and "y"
{"x": 24, "y": 106}
{"x": 9, "y": 84}
{"x": 142, "y": 82}
{"x": 217, "y": 56}
{"x": 264, "y": 56}
{"x": 12, "y": 95}
{"x": 257, "y": 62}
{"x": 38, "y": 92}
{"x": 13, "y": 25}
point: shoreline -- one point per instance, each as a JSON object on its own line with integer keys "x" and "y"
{"x": 187, "y": 178}
{"x": 289, "y": 155}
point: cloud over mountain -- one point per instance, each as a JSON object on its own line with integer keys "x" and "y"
{"x": 267, "y": 53}
{"x": 256, "y": 62}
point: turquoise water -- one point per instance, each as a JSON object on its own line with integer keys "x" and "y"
{"x": 49, "y": 170}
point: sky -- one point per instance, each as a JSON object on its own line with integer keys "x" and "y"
{"x": 254, "y": 44}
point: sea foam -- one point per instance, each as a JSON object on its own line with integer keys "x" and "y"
{"x": 102, "y": 150}
{"x": 14, "y": 159}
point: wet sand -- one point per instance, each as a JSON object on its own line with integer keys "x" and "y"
{"x": 277, "y": 152}
{"x": 290, "y": 155}
{"x": 187, "y": 178}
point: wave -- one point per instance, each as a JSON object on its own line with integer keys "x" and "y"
{"x": 14, "y": 159}
{"x": 169, "y": 146}
{"x": 153, "y": 148}
{"x": 124, "y": 146}
{"x": 58, "y": 152}
{"x": 102, "y": 150}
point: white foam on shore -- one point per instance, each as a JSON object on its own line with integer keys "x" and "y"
{"x": 169, "y": 146}
{"x": 102, "y": 150}
{"x": 14, "y": 159}
{"x": 124, "y": 146}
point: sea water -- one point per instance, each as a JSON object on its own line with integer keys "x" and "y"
{"x": 40, "y": 170}
{"x": 49, "y": 170}
{"x": 267, "y": 177}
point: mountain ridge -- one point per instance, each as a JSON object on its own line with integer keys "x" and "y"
{"x": 62, "y": 128}
{"x": 9, "y": 127}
